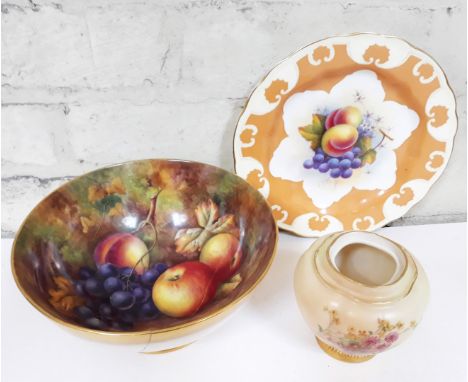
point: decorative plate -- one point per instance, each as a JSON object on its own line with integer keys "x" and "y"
{"x": 348, "y": 133}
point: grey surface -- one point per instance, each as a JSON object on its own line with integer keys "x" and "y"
{"x": 90, "y": 83}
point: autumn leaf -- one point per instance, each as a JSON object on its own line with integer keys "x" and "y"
{"x": 117, "y": 210}
{"x": 63, "y": 297}
{"x": 227, "y": 287}
{"x": 87, "y": 223}
{"x": 96, "y": 193}
{"x": 225, "y": 223}
{"x": 314, "y": 131}
{"x": 189, "y": 241}
{"x": 115, "y": 187}
{"x": 206, "y": 213}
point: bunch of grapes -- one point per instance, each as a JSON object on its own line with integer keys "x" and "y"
{"x": 337, "y": 167}
{"x": 116, "y": 298}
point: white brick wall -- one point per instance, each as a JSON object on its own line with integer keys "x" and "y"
{"x": 90, "y": 83}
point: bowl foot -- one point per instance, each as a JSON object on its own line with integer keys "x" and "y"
{"x": 340, "y": 356}
{"x": 164, "y": 351}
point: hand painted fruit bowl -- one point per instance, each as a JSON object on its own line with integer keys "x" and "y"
{"x": 346, "y": 134}
{"x": 152, "y": 251}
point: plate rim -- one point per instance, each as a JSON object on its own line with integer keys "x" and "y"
{"x": 433, "y": 179}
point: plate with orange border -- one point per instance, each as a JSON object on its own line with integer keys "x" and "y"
{"x": 347, "y": 133}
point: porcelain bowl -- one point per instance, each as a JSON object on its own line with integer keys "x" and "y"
{"x": 154, "y": 252}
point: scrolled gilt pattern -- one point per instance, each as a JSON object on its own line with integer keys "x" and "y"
{"x": 383, "y": 53}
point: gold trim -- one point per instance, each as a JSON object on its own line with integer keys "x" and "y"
{"x": 170, "y": 350}
{"x": 340, "y": 356}
{"x": 383, "y": 222}
{"x": 142, "y": 332}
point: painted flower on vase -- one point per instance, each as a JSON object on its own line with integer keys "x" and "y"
{"x": 356, "y": 341}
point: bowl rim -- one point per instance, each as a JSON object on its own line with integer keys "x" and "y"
{"x": 130, "y": 333}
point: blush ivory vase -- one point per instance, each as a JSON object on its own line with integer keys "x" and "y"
{"x": 360, "y": 293}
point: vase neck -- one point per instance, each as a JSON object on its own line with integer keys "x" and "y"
{"x": 365, "y": 266}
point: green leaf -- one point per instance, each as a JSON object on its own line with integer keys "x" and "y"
{"x": 365, "y": 144}
{"x": 369, "y": 157}
{"x": 313, "y": 132}
{"x": 106, "y": 203}
{"x": 73, "y": 256}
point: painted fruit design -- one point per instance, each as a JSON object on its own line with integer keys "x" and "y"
{"x": 184, "y": 289}
{"x": 125, "y": 288}
{"x": 342, "y": 141}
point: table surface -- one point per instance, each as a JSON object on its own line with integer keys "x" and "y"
{"x": 265, "y": 340}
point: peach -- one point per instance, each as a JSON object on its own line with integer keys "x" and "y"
{"x": 349, "y": 115}
{"x": 329, "y": 121}
{"x": 184, "y": 289}
{"x": 223, "y": 254}
{"x": 339, "y": 139}
{"x": 122, "y": 250}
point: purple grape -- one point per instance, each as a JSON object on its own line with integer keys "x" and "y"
{"x": 93, "y": 304}
{"x": 95, "y": 323}
{"x": 149, "y": 277}
{"x": 345, "y": 164}
{"x": 119, "y": 325}
{"x": 346, "y": 173}
{"x": 333, "y": 162}
{"x": 319, "y": 151}
{"x": 127, "y": 317}
{"x": 161, "y": 268}
{"x": 122, "y": 300}
{"x": 85, "y": 273}
{"x": 335, "y": 173}
{"x": 316, "y": 165}
{"x": 106, "y": 270}
{"x": 126, "y": 272}
{"x": 105, "y": 310}
{"x": 348, "y": 155}
{"x": 84, "y": 312}
{"x": 141, "y": 294}
{"x": 319, "y": 158}
{"x": 323, "y": 167}
{"x": 356, "y": 150}
{"x": 94, "y": 287}
{"x": 148, "y": 310}
{"x": 113, "y": 284}
{"x": 308, "y": 163}
{"x": 356, "y": 163}
{"x": 79, "y": 288}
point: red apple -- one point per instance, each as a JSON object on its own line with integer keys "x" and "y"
{"x": 184, "y": 289}
{"x": 223, "y": 254}
{"x": 329, "y": 121}
{"x": 349, "y": 115}
{"x": 122, "y": 250}
{"x": 339, "y": 139}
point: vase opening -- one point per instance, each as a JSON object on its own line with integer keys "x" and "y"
{"x": 372, "y": 263}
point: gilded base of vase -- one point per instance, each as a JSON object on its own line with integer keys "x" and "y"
{"x": 164, "y": 351}
{"x": 340, "y": 356}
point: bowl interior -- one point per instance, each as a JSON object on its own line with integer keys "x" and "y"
{"x": 138, "y": 215}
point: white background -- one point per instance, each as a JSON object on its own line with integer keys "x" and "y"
{"x": 266, "y": 340}
{"x": 94, "y": 82}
